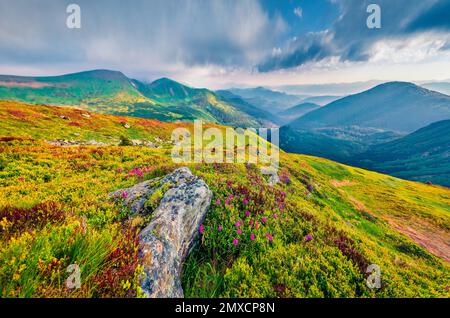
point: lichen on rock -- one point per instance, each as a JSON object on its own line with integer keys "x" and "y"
{"x": 169, "y": 237}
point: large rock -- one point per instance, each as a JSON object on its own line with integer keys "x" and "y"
{"x": 174, "y": 227}
{"x": 136, "y": 197}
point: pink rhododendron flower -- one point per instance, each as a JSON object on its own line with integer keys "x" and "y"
{"x": 275, "y": 216}
{"x": 264, "y": 219}
{"x": 218, "y": 202}
{"x": 245, "y": 201}
{"x": 269, "y": 237}
{"x": 308, "y": 238}
{"x": 202, "y": 229}
{"x": 252, "y": 237}
{"x": 247, "y": 213}
{"x": 239, "y": 231}
{"x": 238, "y": 223}
{"x": 235, "y": 242}
{"x": 220, "y": 228}
{"x": 124, "y": 194}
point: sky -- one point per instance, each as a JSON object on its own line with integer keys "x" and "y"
{"x": 230, "y": 43}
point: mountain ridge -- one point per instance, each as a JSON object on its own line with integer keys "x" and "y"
{"x": 112, "y": 92}
{"x": 395, "y": 106}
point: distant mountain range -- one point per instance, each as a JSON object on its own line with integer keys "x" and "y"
{"x": 297, "y": 111}
{"x": 397, "y": 127}
{"x": 423, "y": 155}
{"x": 112, "y": 92}
{"x": 268, "y": 100}
{"x": 441, "y": 87}
{"x": 335, "y": 89}
{"x": 394, "y": 106}
{"x": 379, "y": 129}
{"x": 321, "y": 100}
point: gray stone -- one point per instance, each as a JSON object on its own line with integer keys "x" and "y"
{"x": 137, "y": 196}
{"x": 171, "y": 234}
{"x": 67, "y": 143}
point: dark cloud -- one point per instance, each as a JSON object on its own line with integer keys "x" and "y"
{"x": 349, "y": 38}
{"x": 137, "y": 34}
{"x": 140, "y": 35}
{"x": 312, "y": 47}
{"x": 436, "y": 17}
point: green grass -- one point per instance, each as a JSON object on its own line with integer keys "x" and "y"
{"x": 55, "y": 211}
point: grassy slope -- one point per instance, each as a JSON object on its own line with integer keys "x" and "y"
{"x": 111, "y": 92}
{"x": 55, "y": 211}
{"x": 422, "y": 155}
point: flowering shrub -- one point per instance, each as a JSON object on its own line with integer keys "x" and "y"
{"x": 303, "y": 237}
{"x": 15, "y": 221}
{"x": 121, "y": 277}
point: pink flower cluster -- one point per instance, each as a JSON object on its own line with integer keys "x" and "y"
{"x": 255, "y": 203}
{"x": 139, "y": 172}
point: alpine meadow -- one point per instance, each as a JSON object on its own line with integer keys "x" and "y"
{"x": 225, "y": 149}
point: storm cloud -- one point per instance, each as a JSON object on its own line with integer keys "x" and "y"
{"x": 349, "y": 38}
{"x": 212, "y": 39}
{"x": 138, "y": 33}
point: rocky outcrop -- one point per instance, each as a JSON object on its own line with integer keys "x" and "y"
{"x": 68, "y": 143}
{"x": 172, "y": 231}
{"x": 144, "y": 143}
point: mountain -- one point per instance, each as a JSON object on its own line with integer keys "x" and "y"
{"x": 394, "y": 106}
{"x": 314, "y": 143}
{"x": 266, "y": 99}
{"x": 321, "y": 100}
{"x": 189, "y": 104}
{"x": 441, "y": 87}
{"x": 297, "y": 111}
{"x": 337, "y": 89}
{"x": 111, "y": 92}
{"x": 266, "y": 118}
{"x": 313, "y": 234}
{"x": 100, "y": 90}
{"x": 423, "y": 155}
{"x": 363, "y": 130}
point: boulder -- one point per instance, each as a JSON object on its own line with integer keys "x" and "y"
{"x": 174, "y": 227}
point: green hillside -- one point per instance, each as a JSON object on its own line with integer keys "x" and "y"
{"x": 297, "y": 111}
{"x": 314, "y": 233}
{"x": 111, "y": 92}
{"x": 317, "y": 144}
{"x": 423, "y": 155}
{"x": 367, "y": 130}
{"x": 267, "y": 118}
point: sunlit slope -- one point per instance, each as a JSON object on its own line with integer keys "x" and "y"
{"x": 111, "y": 92}
{"x": 318, "y": 229}
{"x": 423, "y": 155}
{"x": 52, "y": 123}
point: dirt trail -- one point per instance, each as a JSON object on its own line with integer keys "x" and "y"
{"x": 342, "y": 183}
{"x": 435, "y": 240}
